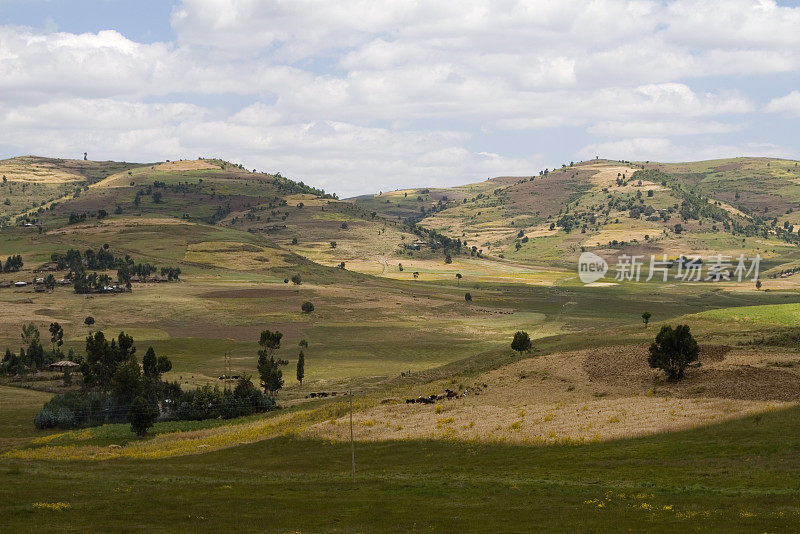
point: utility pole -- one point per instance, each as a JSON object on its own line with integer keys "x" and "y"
{"x": 352, "y": 443}
{"x": 227, "y": 369}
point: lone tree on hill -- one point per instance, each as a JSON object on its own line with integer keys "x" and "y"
{"x": 307, "y": 307}
{"x": 673, "y": 350}
{"x": 301, "y": 367}
{"x": 521, "y": 342}
{"x": 141, "y": 416}
{"x": 646, "y": 318}
{"x": 89, "y": 321}
{"x": 458, "y": 277}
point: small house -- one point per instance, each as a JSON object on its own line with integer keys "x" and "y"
{"x": 63, "y": 365}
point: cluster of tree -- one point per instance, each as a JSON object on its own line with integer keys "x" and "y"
{"x": 75, "y": 260}
{"x": 93, "y": 282}
{"x": 12, "y": 264}
{"x": 33, "y": 356}
{"x": 103, "y": 259}
{"x": 116, "y": 388}
{"x": 269, "y": 365}
{"x": 290, "y": 186}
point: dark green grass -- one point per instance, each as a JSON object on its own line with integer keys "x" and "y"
{"x": 740, "y": 476}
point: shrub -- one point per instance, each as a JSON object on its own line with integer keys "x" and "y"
{"x": 521, "y": 342}
{"x": 307, "y": 307}
{"x": 297, "y": 280}
{"x": 141, "y": 416}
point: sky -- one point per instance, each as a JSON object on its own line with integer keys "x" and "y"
{"x": 367, "y": 95}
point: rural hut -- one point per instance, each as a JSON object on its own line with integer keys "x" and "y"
{"x": 63, "y": 365}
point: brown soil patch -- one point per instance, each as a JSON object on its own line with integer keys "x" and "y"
{"x": 722, "y": 373}
{"x": 580, "y": 396}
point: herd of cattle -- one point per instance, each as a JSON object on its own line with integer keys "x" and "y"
{"x": 448, "y": 394}
{"x": 430, "y": 399}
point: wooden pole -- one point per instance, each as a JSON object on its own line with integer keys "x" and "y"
{"x": 352, "y": 443}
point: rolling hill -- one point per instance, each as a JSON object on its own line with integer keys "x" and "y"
{"x": 417, "y": 294}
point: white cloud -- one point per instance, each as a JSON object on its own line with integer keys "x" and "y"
{"x": 785, "y": 104}
{"x": 375, "y": 93}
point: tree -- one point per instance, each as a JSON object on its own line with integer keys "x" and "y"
{"x": 758, "y": 284}
{"x": 141, "y": 416}
{"x": 307, "y": 307}
{"x": 333, "y": 244}
{"x": 89, "y": 321}
{"x": 459, "y": 277}
{"x": 56, "y": 337}
{"x": 150, "y": 364}
{"x": 303, "y": 344}
{"x": 297, "y": 280}
{"x": 157, "y": 197}
{"x": 673, "y": 350}
{"x": 646, "y": 318}
{"x": 269, "y": 366}
{"x": 127, "y": 381}
{"x": 30, "y": 334}
{"x": 301, "y": 367}
{"x": 468, "y": 297}
{"x": 50, "y": 281}
{"x": 521, "y": 342}
{"x": 164, "y": 365}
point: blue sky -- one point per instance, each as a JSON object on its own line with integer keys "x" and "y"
{"x": 358, "y": 96}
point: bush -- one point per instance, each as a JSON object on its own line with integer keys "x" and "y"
{"x": 297, "y": 280}
{"x": 521, "y": 342}
{"x": 307, "y": 307}
{"x": 141, "y": 416}
{"x": 77, "y": 409}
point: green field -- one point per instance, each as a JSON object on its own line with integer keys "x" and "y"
{"x": 738, "y": 477}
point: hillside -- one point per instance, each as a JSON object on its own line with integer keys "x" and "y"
{"x": 744, "y": 205}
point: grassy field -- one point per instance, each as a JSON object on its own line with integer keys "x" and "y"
{"x": 736, "y": 477}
